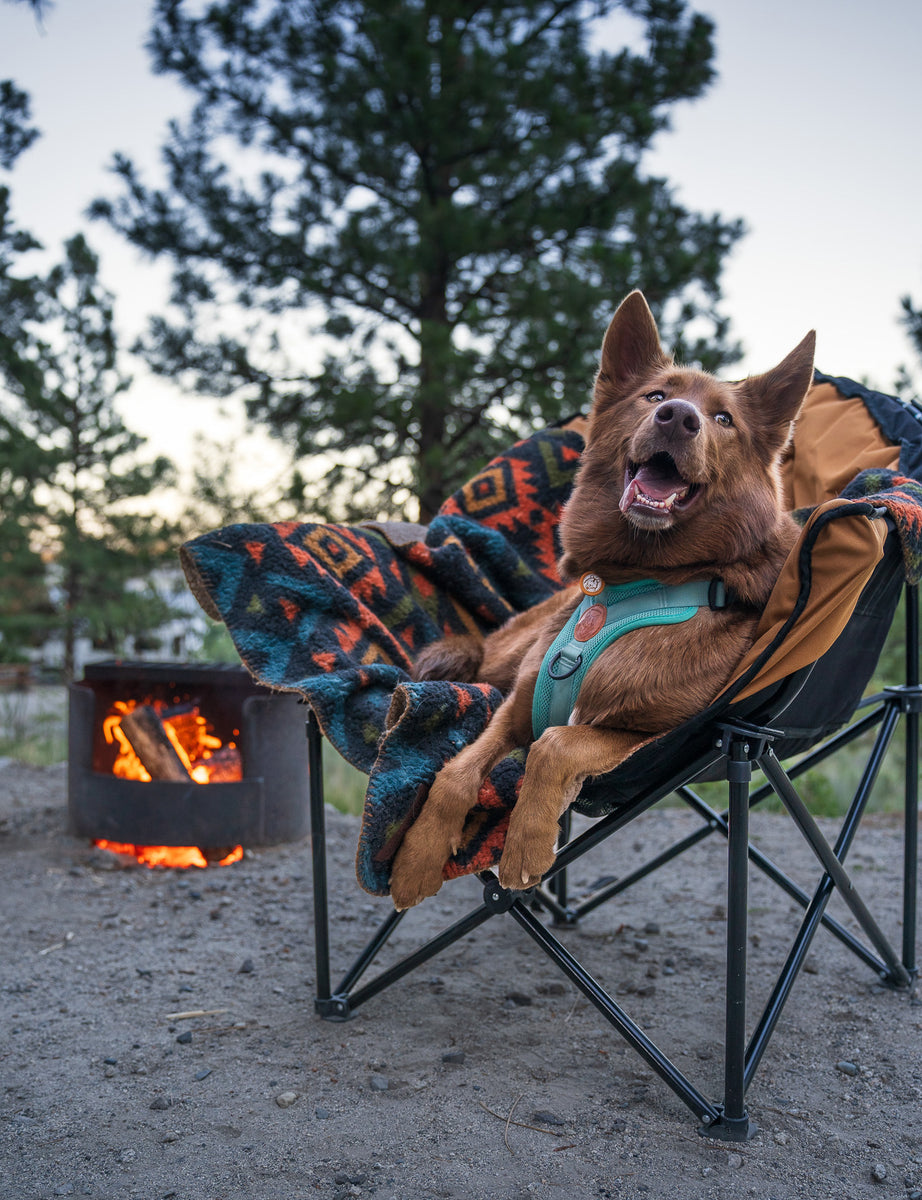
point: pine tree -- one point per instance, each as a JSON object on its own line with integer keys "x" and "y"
{"x": 61, "y": 402}
{"x": 102, "y": 545}
{"x": 24, "y": 602}
{"x": 74, "y": 549}
{"x": 398, "y": 227}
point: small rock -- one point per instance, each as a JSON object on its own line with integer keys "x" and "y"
{"x": 781, "y": 1137}
{"x": 456, "y": 1057}
{"x": 247, "y": 967}
{"x": 203, "y": 1074}
{"x": 734, "y": 1161}
{"x": 552, "y": 989}
{"x": 519, "y": 999}
{"x": 651, "y": 927}
{"x": 878, "y": 1173}
{"x": 379, "y": 1083}
{"x": 185, "y": 1038}
{"x": 286, "y": 1099}
{"x": 111, "y": 1062}
{"x": 641, "y": 943}
{"x": 543, "y": 1117}
{"x": 847, "y": 1068}
{"x": 322, "y": 1114}
{"x": 160, "y": 1104}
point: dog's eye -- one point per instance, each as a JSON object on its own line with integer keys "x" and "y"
{"x": 724, "y": 419}
{"x": 655, "y": 397}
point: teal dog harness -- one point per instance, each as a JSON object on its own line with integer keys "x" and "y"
{"x": 603, "y": 615}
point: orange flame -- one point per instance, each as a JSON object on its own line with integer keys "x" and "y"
{"x": 203, "y": 755}
{"x": 168, "y": 856}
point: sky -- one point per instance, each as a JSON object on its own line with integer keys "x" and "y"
{"x": 811, "y": 134}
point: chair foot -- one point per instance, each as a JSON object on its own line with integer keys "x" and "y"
{"x": 899, "y": 981}
{"x": 333, "y": 1008}
{"x": 568, "y": 920}
{"x": 730, "y": 1129}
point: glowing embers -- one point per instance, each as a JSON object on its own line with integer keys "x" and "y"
{"x": 173, "y": 856}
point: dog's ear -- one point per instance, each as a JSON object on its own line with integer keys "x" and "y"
{"x": 631, "y": 346}
{"x": 773, "y": 400}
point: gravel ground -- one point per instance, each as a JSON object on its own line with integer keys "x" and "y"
{"x": 483, "y": 1076}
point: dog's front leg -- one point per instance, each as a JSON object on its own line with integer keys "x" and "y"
{"x": 436, "y": 833}
{"x": 557, "y": 764}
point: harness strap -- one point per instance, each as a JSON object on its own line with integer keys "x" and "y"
{"x": 599, "y": 620}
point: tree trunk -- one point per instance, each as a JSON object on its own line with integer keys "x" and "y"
{"x": 434, "y": 400}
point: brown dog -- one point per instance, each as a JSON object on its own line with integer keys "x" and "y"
{"x": 679, "y": 482}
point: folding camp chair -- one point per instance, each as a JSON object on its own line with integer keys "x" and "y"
{"x": 333, "y": 612}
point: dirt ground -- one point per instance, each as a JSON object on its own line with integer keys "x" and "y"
{"x": 483, "y": 1076}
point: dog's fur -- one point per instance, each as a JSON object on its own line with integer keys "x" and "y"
{"x": 679, "y": 481}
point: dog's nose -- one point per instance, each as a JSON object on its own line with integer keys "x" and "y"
{"x": 678, "y": 418}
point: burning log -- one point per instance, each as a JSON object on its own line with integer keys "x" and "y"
{"x": 152, "y": 744}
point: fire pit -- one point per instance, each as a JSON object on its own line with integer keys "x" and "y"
{"x": 201, "y": 759}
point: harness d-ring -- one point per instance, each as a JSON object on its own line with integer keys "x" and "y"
{"x": 566, "y": 674}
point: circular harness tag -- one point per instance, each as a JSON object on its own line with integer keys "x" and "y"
{"x": 591, "y": 584}
{"x": 590, "y": 622}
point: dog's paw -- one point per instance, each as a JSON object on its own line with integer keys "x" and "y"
{"x": 415, "y": 874}
{"x": 525, "y": 861}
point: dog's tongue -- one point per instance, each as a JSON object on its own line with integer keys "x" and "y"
{"x": 655, "y": 480}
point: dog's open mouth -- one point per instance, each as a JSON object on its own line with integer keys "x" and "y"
{"x": 656, "y": 486}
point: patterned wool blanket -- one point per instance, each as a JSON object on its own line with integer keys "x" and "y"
{"x": 335, "y": 613}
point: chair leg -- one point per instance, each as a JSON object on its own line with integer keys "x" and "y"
{"x": 319, "y": 860}
{"x": 563, "y": 917}
{"x": 741, "y": 748}
{"x": 912, "y": 707}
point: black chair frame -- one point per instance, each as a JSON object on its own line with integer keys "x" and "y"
{"x": 739, "y": 742}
